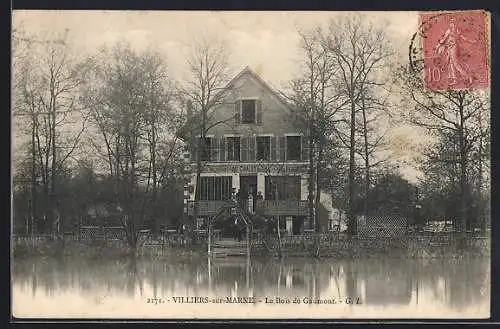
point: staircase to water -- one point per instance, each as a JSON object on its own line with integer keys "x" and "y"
{"x": 229, "y": 247}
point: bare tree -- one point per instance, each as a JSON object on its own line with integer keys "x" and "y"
{"x": 459, "y": 115}
{"x": 21, "y": 45}
{"x": 205, "y": 90}
{"x": 482, "y": 166}
{"x": 360, "y": 52}
{"x": 313, "y": 97}
{"x": 46, "y": 83}
{"x": 374, "y": 115}
{"x": 130, "y": 99}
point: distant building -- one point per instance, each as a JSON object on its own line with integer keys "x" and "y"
{"x": 259, "y": 148}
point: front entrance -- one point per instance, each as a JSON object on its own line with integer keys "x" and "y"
{"x": 297, "y": 225}
{"x": 289, "y": 225}
{"x": 248, "y": 187}
{"x": 248, "y": 184}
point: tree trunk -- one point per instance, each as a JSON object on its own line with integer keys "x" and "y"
{"x": 463, "y": 171}
{"x": 480, "y": 202}
{"x": 33, "y": 178}
{"x": 155, "y": 176}
{"x": 137, "y": 218}
{"x": 312, "y": 138}
{"x": 200, "y": 149}
{"x": 279, "y": 236}
{"x": 367, "y": 158}
{"x": 53, "y": 171}
{"x": 46, "y": 199}
{"x": 197, "y": 194}
{"x": 310, "y": 186}
{"x": 117, "y": 170}
{"x": 317, "y": 201}
{"x": 351, "y": 229}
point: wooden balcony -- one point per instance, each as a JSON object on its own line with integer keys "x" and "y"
{"x": 207, "y": 208}
{"x": 262, "y": 207}
{"x": 282, "y": 207}
{"x": 274, "y": 168}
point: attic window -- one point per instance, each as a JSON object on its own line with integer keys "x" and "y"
{"x": 248, "y": 110}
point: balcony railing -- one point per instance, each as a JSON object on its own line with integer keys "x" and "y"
{"x": 282, "y": 207}
{"x": 287, "y": 167}
{"x": 207, "y": 208}
{"x": 262, "y": 207}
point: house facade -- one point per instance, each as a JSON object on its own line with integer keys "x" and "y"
{"x": 255, "y": 150}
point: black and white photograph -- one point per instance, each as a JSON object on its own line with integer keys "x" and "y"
{"x": 250, "y": 165}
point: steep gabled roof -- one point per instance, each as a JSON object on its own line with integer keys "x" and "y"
{"x": 248, "y": 70}
{"x": 231, "y": 83}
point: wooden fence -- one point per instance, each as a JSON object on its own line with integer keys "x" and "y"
{"x": 20, "y": 240}
{"x": 93, "y": 233}
{"x": 382, "y": 226}
{"x": 330, "y": 240}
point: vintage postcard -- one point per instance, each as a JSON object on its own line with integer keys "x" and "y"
{"x": 250, "y": 165}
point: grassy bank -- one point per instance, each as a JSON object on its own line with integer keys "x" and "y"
{"x": 344, "y": 250}
{"x": 96, "y": 249}
{"x": 415, "y": 247}
{"x": 60, "y": 248}
{"x": 425, "y": 253}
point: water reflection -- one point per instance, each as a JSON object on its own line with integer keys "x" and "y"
{"x": 454, "y": 284}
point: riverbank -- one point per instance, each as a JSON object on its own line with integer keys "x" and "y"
{"x": 338, "y": 249}
{"x": 417, "y": 246}
{"x": 95, "y": 250}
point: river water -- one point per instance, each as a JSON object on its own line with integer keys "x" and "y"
{"x": 289, "y": 289}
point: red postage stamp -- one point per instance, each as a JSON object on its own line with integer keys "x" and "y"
{"x": 456, "y": 50}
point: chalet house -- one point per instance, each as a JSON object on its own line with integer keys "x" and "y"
{"x": 256, "y": 149}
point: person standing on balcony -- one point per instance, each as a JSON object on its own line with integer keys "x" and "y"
{"x": 250, "y": 202}
{"x": 238, "y": 198}
{"x": 258, "y": 198}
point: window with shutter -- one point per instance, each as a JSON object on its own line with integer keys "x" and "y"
{"x": 214, "y": 149}
{"x": 237, "y": 110}
{"x": 272, "y": 148}
{"x": 251, "y": 148}
{"x": 244, "y": 148}
{"x": 281, "y": 154}
{"x": 233, "y": 148}
{"x": 305, "y": 148}
{"x": 259, "y": 112}
{"x": 263, "y": 148}
{"x": 222, "y": 149}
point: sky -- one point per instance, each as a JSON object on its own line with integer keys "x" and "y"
{"x": 265, "y": 41}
